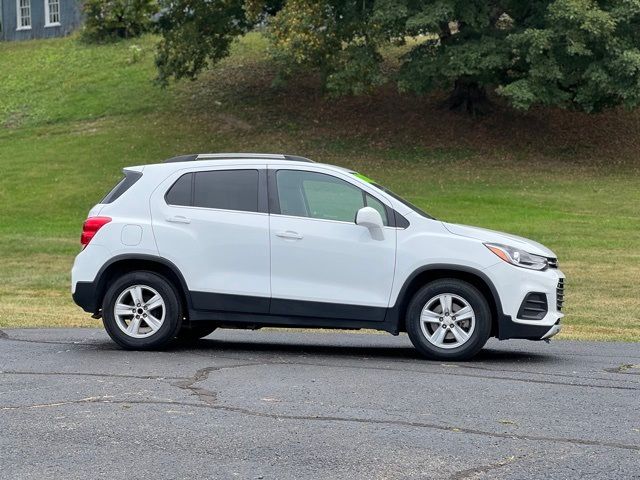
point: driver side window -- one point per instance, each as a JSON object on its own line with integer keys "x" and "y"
{"x": 317, "y": 195}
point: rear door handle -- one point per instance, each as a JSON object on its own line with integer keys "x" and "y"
{"x": 289, "y": 235}
{"x": 179, "y": 219}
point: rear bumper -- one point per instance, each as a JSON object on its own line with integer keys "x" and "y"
{"x": 84, "y": 296}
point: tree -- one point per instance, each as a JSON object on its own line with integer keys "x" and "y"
{"x": 112, "y": 19}
{"x": 582, "y": 54}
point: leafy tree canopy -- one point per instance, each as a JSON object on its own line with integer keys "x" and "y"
{"x": 582, "y": 54}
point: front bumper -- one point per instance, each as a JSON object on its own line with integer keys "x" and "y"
{"x": 507, "y": 328}
{"x": 513, "y": 284}
{"x": 552, "y": 332}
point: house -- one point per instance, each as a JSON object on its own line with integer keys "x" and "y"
{"x": 27, "y": 19}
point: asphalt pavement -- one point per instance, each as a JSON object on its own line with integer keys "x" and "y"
{"x": 294, "y": 405}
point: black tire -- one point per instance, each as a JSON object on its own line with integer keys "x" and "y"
{"x": 472, "y": 296}
{"x": 173, "y": 311}
{"x": 192, "y": 333}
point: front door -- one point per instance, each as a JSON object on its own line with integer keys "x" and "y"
{"x": 322, "y": 263}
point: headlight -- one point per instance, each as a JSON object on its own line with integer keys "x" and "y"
{"x": 518, "y": 257}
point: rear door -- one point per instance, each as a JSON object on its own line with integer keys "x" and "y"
{"x": 322, "y": 263}
{"x": 214, "y": 226}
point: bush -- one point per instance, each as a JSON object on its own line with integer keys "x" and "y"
{"x": 112, "y": 19}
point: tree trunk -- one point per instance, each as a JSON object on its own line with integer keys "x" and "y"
{"x": 469, "y": 97}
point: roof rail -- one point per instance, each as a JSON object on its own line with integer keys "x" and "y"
{"x": 229, "y": 156}
{"x": 181, "y": 158}
{"x": 296, "y": 158}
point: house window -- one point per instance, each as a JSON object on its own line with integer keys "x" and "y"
{"x": 52, "y": 13}
{"x": 24, "y": 14}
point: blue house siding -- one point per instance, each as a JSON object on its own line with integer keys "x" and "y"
{"x": 70, "y": 19}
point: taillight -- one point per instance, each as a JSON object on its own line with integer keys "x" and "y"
{"x": 90, "y": 227}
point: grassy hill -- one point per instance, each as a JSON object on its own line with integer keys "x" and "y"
{"x": 72, "y": 115}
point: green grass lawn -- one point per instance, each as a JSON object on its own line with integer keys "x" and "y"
{"x": 72, "y": 115}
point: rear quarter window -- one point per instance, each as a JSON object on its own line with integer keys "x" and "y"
{"x": 130, "y": 177}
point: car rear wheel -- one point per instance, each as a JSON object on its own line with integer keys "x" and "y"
{"x": 448, "y": 319}
{"x": 142, "y": 311}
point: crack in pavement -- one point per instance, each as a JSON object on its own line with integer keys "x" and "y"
{"x": 472, "y": 472}
{"x": 331, "y": 418}
{"x": 54, "y": 404}
{"x": 184, "y": 383}
{"x": 3, "y": 334}
{"x": 207, "y": 396}
{"x": 625, "y": 369}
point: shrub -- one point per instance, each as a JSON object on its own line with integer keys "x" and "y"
{"x": 112, "y": 19}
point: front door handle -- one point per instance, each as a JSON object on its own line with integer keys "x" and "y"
{"x": 289, "y": 235}
{"x": 179, "y": 219}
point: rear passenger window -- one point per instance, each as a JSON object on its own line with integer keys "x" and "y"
{"x": 180, "y": 192}
{"x": 227, "y": 190}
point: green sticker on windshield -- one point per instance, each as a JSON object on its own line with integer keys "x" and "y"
{"x": 363, "y": 177}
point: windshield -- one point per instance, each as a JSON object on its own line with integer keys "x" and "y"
{"x": 397, "y": 197}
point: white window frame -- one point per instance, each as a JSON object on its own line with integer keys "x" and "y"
{"x": 19, "y": 16}
{"x": 47, "y": 13}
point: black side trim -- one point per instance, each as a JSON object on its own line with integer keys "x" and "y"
{"x": 302, "y": 308}
{"x": 250, "y": 320}
{"x": 219, "y": 302}
{"x": 85, "y": 296}
{"x": 229, "y": 303}
{"x": 533, "y": 307}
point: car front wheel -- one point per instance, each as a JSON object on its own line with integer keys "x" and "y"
{"x": 141, "y": 311}
{"x": 448, "y": 319}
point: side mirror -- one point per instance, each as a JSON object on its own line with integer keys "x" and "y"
{"x": 370, "y": 218}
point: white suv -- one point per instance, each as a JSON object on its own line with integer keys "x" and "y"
{"x": 251, "y": 240}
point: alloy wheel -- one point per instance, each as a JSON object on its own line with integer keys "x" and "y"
{"x": 139, "y": 311}
{"x": 447, "y": 321}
